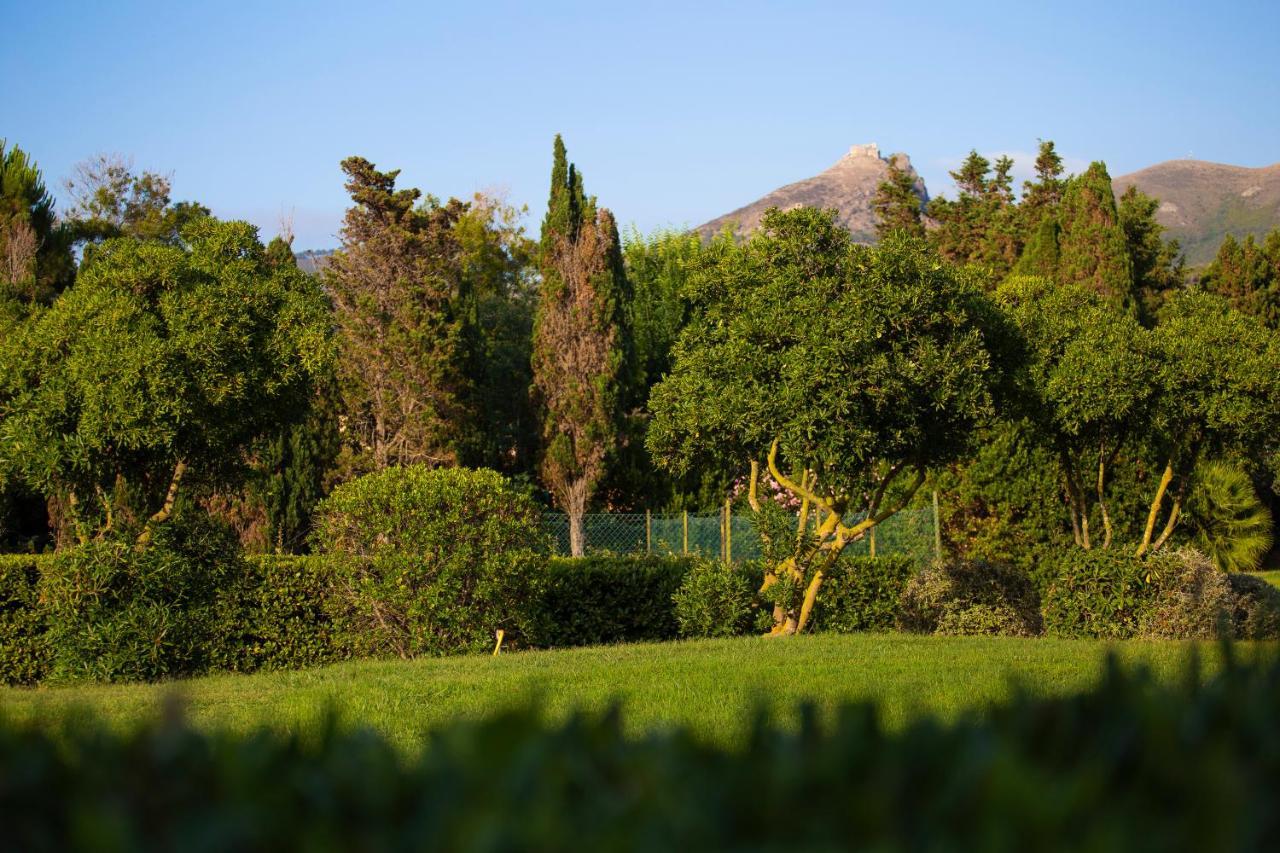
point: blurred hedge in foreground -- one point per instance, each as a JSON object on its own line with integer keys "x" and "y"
{"x": 1130, "y": 765}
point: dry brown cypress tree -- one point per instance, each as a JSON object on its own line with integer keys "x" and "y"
{"x": 578, "y": 347}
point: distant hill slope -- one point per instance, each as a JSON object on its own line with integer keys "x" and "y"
{"x": 313, "y": 260}
{"x": 849, "y": 186}
{"x": 1200, "y": 202}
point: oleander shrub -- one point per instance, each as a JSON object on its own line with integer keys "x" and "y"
{"x": 24, "y": 650}
{"x": 1255, "y": 612}
{"x": 970, "y": 597}
{"x": 1131, "y": 764}
{"x": 1102, "y": 593}
{"x": 431, "y": 561}
{"x": 863, "y": 593}
{"x": 716, "y": 599}
{"x": 1192, "y": 599}
{"x": 280, "y": 614}
{"x": 610, "y": 599}
{"x": 118, "y": 612}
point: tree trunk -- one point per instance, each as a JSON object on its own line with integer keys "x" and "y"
{"x": 576, "y": 509}
{"x": 170, "y": 498}
{"x": 1154, "y": 513}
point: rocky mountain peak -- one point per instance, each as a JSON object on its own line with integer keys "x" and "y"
{"x": 849, "y": 186}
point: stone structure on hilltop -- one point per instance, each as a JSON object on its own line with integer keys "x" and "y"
{"x": 849, "y": 186}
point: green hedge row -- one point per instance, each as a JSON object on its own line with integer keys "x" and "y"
{"x": 24, "y": 652}
{"x": 1133, "y": 764}
{"x": 283, "y": 613}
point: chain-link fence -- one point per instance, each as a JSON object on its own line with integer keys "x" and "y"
{"x": 909, "y": 532}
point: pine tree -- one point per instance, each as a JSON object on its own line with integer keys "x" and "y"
{"x": 396, "y": 284}
{"x": 1157, "y": 264}
{"x": 1001, "y": 234}
{"x": 896, "y": 204}
{"x": 35, "y": 251}
{"x": 580, "y": 344}
{"x": 1041, "y": 197}
{"x": 1091, "y": 243}
{"x": 1245, "y": 274}
{"x": 958, "y": 236}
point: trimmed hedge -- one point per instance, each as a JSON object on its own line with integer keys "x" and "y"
{"x": 609, "y": 599}
{"x": 1132, "y": 764}
{"x": 280, "y": 615}
{"x": 24, "y": 652}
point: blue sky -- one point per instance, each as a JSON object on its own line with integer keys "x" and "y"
{"x": 675, "y": 112}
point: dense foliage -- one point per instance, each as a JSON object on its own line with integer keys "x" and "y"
{"x": 432, "y": 561}
{"x": 119, "y": 613}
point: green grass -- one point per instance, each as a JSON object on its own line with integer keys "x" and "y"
{"x": 710, "y": 686}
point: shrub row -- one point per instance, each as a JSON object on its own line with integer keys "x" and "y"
{"x": 111, "y": 617}
{"x": 1102, "y": 594}
{"x": 1132, "y": 764}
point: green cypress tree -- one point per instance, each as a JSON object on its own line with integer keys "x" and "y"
{"x": 1040, "y": 257}
{"x": 896, "y": 204}
{"x": 1091, "y": 243}
{"x": 1157, "y": 264}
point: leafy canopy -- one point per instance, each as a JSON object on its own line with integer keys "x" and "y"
{"x": 846, "y": 355}
{"x": 159, "y": 354}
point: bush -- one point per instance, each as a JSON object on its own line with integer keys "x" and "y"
{"x": 119, "y": 613}
{"x": 1192, "y": 599}
{"x": 24, "y": 651}
{"x": 279, "y": 615}
{"x": 431, "y": 561}
{"x": 1101, "y": 593}
{"x": 971, "y": 597}
{"x": 1112, "y": 594}
{"x": 1255, "y": 612}
{"x": 716, "y": 599}
{"x": 610, "y": 599}
{"x": 1130, "y": 765}
{"x": 862, "y": 593}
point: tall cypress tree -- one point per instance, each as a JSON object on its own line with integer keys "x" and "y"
{"x": 1092, "y": 245}
{"x": 1157, "y": 263}
{"x": 580, "y": 344}
{"x": 1040, "y": 257}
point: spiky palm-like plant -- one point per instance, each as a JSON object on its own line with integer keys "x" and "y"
{"x": 1227, "y": 521}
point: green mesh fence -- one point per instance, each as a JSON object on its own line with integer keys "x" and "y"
{"x": 910, "y": 532}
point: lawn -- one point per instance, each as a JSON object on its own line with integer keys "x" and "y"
{"x": 710, "y": 686}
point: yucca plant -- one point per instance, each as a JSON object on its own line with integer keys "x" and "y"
{"x": 1225, "y": 518}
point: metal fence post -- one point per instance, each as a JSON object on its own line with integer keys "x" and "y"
{"x": 728, "y": 531}
{"x": 648, "y": 532}
{"x": 685, "y": 548}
